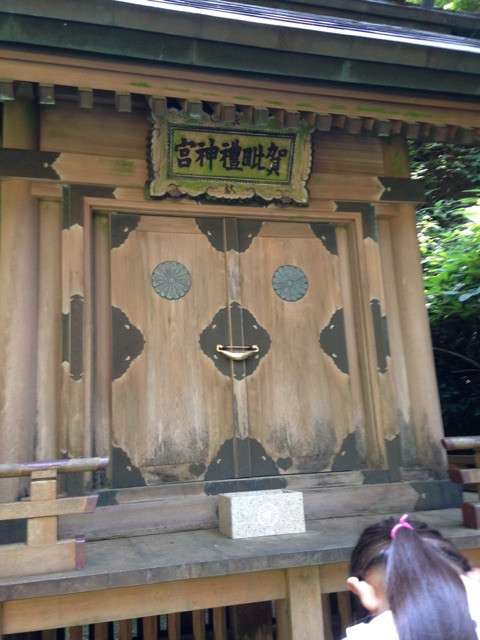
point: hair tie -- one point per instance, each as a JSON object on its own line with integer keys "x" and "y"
{"x": 402, "y": 524}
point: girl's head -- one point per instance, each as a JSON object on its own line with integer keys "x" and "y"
{"x": 416, "y": 574}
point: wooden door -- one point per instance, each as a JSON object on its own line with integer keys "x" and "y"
{"x": 184, "y": 411}
{"x": 171, "y": 409}
{"x": 303, "y": 399}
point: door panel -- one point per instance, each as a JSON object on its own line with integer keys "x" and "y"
{"x": 300, "y": 403}
{"x": 171, "y": 407}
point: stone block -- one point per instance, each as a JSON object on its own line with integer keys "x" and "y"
{"x": 250, "y": 514}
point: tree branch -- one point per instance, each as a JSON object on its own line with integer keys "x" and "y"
{"x": 458, "y": 355}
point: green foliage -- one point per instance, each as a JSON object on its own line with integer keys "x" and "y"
{"x": 451, "y": 262}
{"x": 472, "y": 6}
{"x": 449, "y": 235}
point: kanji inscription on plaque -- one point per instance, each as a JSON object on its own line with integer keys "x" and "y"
{"x": 234, "y": 162}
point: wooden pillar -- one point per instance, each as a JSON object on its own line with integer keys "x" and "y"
{"x": 19, "y": 300}
{"x": 219, "y": 623}
{"x": 282, "y": 620}
{"x": 426, "y": 415}
{"x": 49, "y": 330}
{"x": 305, "y": 603}
{"x": 198, "y": 624}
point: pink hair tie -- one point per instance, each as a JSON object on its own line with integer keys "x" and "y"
{"x": 403, "y": 524}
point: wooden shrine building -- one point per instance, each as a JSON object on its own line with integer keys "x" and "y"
{"x": 209, "y": 274}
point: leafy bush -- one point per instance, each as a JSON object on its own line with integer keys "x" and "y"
{"x": 449, "y": 235}
{"x": 471, "y": 6}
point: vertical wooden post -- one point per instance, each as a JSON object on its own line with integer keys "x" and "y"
{"x": 219, "y": 623}
{"x": 282, "y": 619}
{"x": 43, "y": 531}
{"x": 49, "y": 330}
{"x": 174, "y": 626}
{"x": 305, "y": 603}
{"x": 425, "y": 410}
{"x": 198, "y": 624}
{"x": 18, "y": 295}
{"x": 344, "y": 609}
{"x": 102, "y": 401}
{"x": 150, "y": 628}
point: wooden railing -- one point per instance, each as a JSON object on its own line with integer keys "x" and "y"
{"x": 466, "y": 476}
{"x": 43, "y": 552}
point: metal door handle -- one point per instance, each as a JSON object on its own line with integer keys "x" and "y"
{"x": 237, "y": 353}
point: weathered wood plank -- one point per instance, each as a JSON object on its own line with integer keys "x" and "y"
{"x": 304, "y": 594}
{"x": 344, "y": 610}
{"x": 327, "y": 617}
{"x": 199, "y": 512}
{"x": 149, "y": 628}
{"x": 73, "y": 465}
{"x": 425, "y": 414}
{"x": 22, "y": 560}
{"x": 465, "y": 476}
{"x": 174, "y": 626}
{"x": 461, "y": 442}
{"x": 98, "y": 131}
{"x": 19, "y": 303}
{"x": 283, "y": 627}
{"x": 60, "y": 507}
{"x": 49, "y": 330}
{"x": 72, "y": 168}
{"x": 146, "y": 600}
{"x": 198, "y": 624}
{"x": 191, "y": 85}
{"x": 219, "y": 623}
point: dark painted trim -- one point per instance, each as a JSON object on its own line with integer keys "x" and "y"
{"x": 369, "y": 222}
{"x": 333, "y": 340}
{"x": 326, "y": 232}
{"x": 121, "y": 225}
{"x": 20, "y": 163}
{"x": 402, "y": 190}
{"x": 127, "y": 343}
{"x": 73, "y": 196}
{"x": 380, "y": 329}
{"x": 76, "y": 337}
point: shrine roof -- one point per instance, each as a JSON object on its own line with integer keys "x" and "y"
{"x": 358, "y": 43}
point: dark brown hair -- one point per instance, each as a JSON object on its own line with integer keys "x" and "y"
{"x": 422, "y": 578}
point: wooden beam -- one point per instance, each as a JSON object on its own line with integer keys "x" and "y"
{"x": 72, "y": 168}
{"x": 72, "y": 465}
{"x": 85, "y": 98}
{"x": 126, "y": 173}
{"x": 461, "y": 442}
{"x": 465, "y": 476}
{"x": 46, "y": 94}
{"x": 305, "y": 598}
{"x": 219, "y": 623}
{"x": 7, "y": 93}
{"x": 145, "y": 600}
{"x": 60, "y": 507}
{"x": 125, "y": 77}
{"x": 21, "y": 560}
{"x": 198, "y": 624}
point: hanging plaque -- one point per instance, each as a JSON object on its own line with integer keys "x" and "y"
{"x": 195, "y": 156}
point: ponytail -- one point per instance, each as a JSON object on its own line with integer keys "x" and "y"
{"x": 422, "y": 574}
{"x": 425, "y": 592}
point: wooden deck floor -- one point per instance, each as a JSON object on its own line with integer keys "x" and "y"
{"x": 200, "y": 554}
